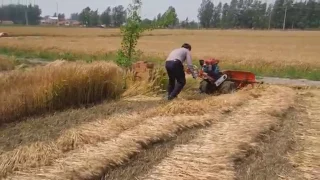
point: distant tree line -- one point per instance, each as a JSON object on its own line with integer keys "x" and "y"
{"x": 256, "y": 14}
{"x": 21, "y": 14}
{"x": 116, "y": 16}
{"x": 244, "y": 14}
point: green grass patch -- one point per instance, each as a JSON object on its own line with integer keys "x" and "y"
{"x": 260, "y": 68}
{"x": 51, "y": 55}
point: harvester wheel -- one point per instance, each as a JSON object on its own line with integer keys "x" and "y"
{"x": 227, "y": 87}
{"x": 205, "y": 87}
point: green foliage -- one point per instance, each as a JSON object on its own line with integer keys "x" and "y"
{"x": 166, "y": 20}
{"x": 131, "y": 32}
{"x": 259, "y": 14}
{"x": 118, "y": 16}
{"x": 20, "y": 14}
{"x": 170, "y": 17}
{"x": 89, "y": 17}
{"x": 105, "y": 17}
{"x": 206, "y": 12}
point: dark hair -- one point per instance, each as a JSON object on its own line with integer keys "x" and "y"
{"x": 187, "y": 46}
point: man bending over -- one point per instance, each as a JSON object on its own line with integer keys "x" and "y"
{"x": 175, "y": 70}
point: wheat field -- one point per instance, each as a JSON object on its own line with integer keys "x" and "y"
{"x": 298, "y": 48}
{"x": 50, "y": 129}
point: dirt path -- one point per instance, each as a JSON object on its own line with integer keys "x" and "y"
{"x": 290, "y": 82}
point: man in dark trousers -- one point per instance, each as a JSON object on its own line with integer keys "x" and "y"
{"x": 175, "y": 70}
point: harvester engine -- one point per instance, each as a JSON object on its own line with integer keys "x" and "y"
{"x": 213, "y": 79}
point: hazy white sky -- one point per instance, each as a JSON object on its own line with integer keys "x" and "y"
{"x": 184, "y": 8}
{"x": 150, "y": 9}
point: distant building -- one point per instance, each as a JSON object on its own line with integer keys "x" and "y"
{"x": 49, "y": 20}
{"x": 69, "y": 23}
{"x": 7, "y": 22}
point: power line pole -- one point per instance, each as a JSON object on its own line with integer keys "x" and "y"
{"x": 269, "y": 26}
{"x": 270, "y": 19}
{"x": 26, "y": 16}
{"x": 26, "y": 13}
{"x": 285, "y": 17}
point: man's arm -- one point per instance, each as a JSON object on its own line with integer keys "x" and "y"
{"x": 189, "y": 63}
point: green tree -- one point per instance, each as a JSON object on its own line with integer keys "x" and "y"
{"x": 216, "y": 19}
{"x": 21, "y": 14}
{"x": 205, "y": 13}
{"x": 74, "y": 16}
{"x": 233, "y": 14}
{"x": 278, "y": 14}
{"x": 147, "y": 22}
{"x": 185, "y": 23}
{"x": 61, "y": 17}
{"x": 170, "y": 18}
{"x": 33, "y": 15}
{"x": 85, "y": 16}
{"x": 130, "y": 32}
{"x": 94, "y": 18}
{"x": 118, "y": 16}
{"x": 224, "y": 19}
{"x": 106, "y": 17}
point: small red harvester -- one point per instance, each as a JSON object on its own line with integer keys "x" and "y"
{"x": 223, "y": 82}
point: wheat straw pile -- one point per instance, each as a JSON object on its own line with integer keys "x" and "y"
{"x": 209, "y": 155}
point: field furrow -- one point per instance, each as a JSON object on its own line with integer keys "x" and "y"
{"x": 306, "y": 158}
{"x": 209, "y": 156}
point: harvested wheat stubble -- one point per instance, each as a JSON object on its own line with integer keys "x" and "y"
{"x": 93, "y": 132}
{"x": 209, "y": 155}
{"x": 306, "y": 159}
{"x": 90, "y": 161}
{"x": 267, "y": 158}
{"x": 49, "y": 137}
{"x": 21, "y": 148}
{"x": 6, "y": 64}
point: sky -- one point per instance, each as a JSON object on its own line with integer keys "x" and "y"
{"x": 150, "y": 8}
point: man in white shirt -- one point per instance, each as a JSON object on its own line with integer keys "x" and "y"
{"x": 175, "y": 70}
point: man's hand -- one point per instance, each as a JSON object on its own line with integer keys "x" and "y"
{"x": 194, "y": 75}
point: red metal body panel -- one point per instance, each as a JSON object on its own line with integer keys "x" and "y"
{"x": 211, "y": 61}
{"x": 241, "y": 78}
